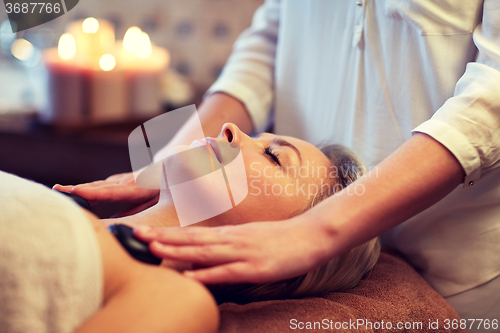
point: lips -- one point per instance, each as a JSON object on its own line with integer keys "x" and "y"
{"x": 214, "y": 147}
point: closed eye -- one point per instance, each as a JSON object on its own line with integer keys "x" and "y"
{"x": 269, "y": 151}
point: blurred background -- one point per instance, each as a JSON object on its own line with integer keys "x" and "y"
{"x": 52, "y": 138}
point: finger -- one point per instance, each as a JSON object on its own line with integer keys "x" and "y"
{"x": 109, "y": 190}
{"x": 183, "y": 236}
{"x": 63, "y": 188}
{"x": 105, "y": 190}
{"x": 69, "y": 189}
{"x": 230, "y": 273}
{"x": 207, "y": 255}
{"x": 97, "y": 191}
{"x": 100, "y": 190}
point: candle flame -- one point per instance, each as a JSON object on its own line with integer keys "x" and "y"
{"x": 137, "y": 42}
{"x": 90, "y": 25}
{"x": 144, "y": 48}
{"x": 131, "y": 38}
{"x": 107, "y": 62}
{"x": 67, "y": 46}
{"x": 22, "y": 49}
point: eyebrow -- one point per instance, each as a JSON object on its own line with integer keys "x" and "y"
{"x": 284, "y": 143}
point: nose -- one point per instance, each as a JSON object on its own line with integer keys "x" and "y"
{"x": 231, "y": 133}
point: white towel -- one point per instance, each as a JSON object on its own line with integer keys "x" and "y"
{"x": 51, "y": 276}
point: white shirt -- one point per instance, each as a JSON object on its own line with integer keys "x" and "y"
{"x": 366, "y": 74}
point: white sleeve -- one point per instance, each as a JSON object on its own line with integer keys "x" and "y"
{"x": 468, "y": 124}
{"x": 249, "y": 72}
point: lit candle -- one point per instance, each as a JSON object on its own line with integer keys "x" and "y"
{"x": 108, "y": 92}
{"x": 93, "y": 38}
{"x": 93, "y": 80}
{"x": 143, "y": 63}
{"x": 67, "y": 102}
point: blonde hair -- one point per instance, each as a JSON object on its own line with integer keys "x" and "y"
{"x": 340, "y": 273}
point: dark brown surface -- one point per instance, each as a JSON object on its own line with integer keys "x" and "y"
{"x": 50, "y": 156}
{"x": 393, "y": 292}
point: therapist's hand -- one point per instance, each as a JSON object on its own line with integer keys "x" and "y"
{"x": 116, "y": 188}
{"x": 253, "y": 253}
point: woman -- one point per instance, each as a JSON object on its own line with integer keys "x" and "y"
{"x": 286, "y": 176}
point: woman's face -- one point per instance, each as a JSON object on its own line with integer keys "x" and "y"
{"x": 283, "y": 175}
